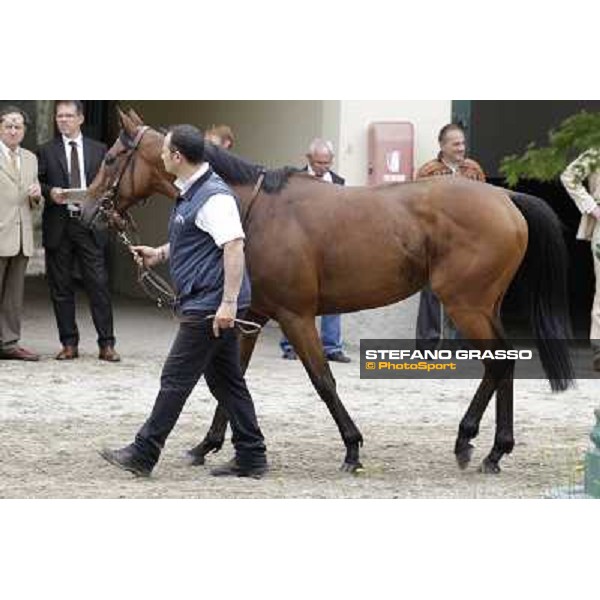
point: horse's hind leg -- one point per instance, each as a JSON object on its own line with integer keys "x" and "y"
{"x": 485, "y": 333}
{"x": 469, "y": 425}
{"x": 498, "y": 377}
{"x": 215, "y": 437}
{"x": 302, "y": 334}
{"x": 504, "y": 440}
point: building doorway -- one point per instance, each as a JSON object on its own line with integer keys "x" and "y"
{"x": 498, "y": 128}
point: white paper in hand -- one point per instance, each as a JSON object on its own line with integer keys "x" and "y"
{"x": 75, "y": 195}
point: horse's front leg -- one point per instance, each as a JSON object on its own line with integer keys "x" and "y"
{"x": 213, "y": 441}
{"x": 302, "y": 334}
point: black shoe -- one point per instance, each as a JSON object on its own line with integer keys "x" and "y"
{"x": 289, "y": 354}
{"x": 338, "y": 356}
{"x": 127, "y": 459}
{"x": 234, "y": 469}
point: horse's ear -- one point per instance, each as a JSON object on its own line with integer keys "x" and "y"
{"x": 127, "y": 123}
{"x": 121, "y": 115}
{"x": 135, "y": 117}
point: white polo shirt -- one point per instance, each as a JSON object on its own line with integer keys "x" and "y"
{"x": 219, "y": 215}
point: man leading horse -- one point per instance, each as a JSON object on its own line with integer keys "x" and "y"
{"x": 206, "y": 256}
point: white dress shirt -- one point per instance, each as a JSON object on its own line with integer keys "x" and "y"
{"x": 79, "y": 141}
{"x": 326, "y": 177}
{"x": 7, "y": 153}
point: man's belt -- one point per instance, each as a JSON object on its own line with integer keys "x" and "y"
{"x": 74, "y": 213}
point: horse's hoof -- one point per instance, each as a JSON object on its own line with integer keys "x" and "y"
{"x": 196, "y": 456}
{"x": 352, "y": 467}
{"x": 489, "y": 468}
{"x": 193, "y": 459}
{"x": 463, "y": 457}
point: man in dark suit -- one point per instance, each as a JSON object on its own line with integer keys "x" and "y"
{"x": 320, "y": 159}
{"x": 72, "y": 161}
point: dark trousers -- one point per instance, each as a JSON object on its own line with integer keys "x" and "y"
{"x": 79, "y": 242}
{"x": 196, "y": 352}
{"x": 429, "y": 322}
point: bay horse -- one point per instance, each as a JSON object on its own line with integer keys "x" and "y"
{"x": 314, "y": 248}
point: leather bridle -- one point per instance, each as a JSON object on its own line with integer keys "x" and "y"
{"x": 155, "y": 286}
{"x": 107, "y": 204}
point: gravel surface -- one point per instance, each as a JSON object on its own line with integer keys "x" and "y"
{"x": 54, "y": 417}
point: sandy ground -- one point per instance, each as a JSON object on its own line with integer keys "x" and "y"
{"x": 54, "y": 417}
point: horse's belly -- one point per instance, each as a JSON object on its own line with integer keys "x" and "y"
{"x": 368, "y": 285}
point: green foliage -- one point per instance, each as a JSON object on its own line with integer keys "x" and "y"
{"x": 575, "y": 134}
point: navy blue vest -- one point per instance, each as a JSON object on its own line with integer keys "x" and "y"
{"x": 196, "y": 262}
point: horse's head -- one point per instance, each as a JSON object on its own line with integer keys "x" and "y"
{"x": 132, "y": 171}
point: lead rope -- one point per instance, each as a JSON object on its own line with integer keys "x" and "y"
{"x": 255, "y": 192}
{"x": 246, "y": 328}
{"x": 150, "y": 279}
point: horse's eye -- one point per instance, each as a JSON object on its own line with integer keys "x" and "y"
{"x": 109, "y": 160}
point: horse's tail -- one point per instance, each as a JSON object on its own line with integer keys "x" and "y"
{"x": 543, "y": 275}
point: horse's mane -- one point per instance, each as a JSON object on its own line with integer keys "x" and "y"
{"x": 236, "y": 170}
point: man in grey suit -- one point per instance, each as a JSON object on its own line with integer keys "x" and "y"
{"x": 19, "y": 191}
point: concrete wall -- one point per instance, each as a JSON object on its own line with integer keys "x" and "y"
{"x": 272, "y": 133}
{"x": 269, "y": 132}
{"x": 427, "y": 116}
